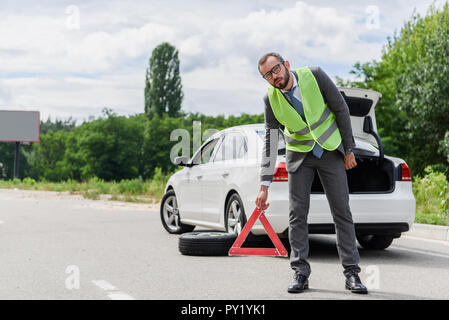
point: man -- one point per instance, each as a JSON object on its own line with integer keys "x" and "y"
{"x": 318, "y": 134}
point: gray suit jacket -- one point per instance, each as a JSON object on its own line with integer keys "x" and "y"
{"x": 335, "y": 102}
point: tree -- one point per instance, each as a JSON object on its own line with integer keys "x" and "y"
{"x": 423, "y": 94}
{"x": 66, "y": 125}
{"x": 46, "y": 157}
{"x": 108, "y": 148}
{"x": 111, "y": 147}
{"x": 163, "y": 87}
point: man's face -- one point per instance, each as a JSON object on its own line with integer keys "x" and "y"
{"x": 279, "y": 80}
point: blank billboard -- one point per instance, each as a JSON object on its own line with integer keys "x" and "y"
{"x": 23, "y": 126}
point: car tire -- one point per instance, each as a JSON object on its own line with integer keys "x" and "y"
{"x": 170, "y": 218}
{"x": 234, "y": 217}
{"x": 375, "y": 242}
{"x": 206, "y": 243}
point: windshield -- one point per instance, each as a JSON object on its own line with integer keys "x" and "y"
{"x": 281, "y": 145}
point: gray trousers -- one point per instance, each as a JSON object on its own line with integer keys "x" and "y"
{"x": 332, "y": 173}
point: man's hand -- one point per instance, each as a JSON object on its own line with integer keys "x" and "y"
{"x": 262, "y": 198}
{"x": 350, "y": 161}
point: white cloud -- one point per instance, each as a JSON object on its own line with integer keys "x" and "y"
{"x": 48, "y": 46}
{"x": 48, "y": 66}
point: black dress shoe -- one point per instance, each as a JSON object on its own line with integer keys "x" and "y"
{"x": 299, "y": 284}
{"x": 354, "y": 284}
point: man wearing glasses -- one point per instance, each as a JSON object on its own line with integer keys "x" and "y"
{"x": 307, "y": 105}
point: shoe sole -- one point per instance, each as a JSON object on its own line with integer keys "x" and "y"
{"x": 356, "y": 291}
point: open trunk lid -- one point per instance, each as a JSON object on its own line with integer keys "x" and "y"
{"x": 361, "y": 104}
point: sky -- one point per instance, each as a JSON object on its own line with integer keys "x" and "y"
{"x": 74, "y": 58}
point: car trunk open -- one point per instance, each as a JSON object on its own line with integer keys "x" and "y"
{"x": 367, "y": 177}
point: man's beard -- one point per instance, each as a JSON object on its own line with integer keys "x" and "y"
{"x": 282, "y": 85}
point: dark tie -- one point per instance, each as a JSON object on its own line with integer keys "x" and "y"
{"x": 297, "y": 104}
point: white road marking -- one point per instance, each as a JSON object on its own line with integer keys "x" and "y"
{"x": 106, "y": 286}
{"x": 112, "y": 292}
{"x": 422, "y": 252}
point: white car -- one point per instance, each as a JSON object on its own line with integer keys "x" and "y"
{"x": 218, "y": 187}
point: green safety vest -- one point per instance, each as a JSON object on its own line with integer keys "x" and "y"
{"x": 320, "y": 126}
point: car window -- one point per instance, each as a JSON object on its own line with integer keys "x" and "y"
{"x": 281, "y": 145}
{"x": 233, "y": 147}
{"x": 206, "y": 152}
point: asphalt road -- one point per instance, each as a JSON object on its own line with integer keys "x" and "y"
{"x": 54, "y": 247}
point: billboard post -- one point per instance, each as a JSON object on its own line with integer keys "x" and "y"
{"x": 16, "y": 160}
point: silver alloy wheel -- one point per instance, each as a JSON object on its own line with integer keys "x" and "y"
{"x": 171, "y": 213}
{"x": 234, "y": 217}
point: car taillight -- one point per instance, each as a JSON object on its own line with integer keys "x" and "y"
{"x": 280, "y": 173}
{"x": 406, "y": 175}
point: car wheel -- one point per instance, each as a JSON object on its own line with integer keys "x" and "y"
{"x": 170, "y": 217}
{"x": 209, "y": 243}
{"x": 375, "y": 242}
{"x": 235, "y": 218}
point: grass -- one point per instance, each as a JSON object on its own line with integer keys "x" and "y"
{"x": 129, "y": 190}
{"x": 432, "y": 198}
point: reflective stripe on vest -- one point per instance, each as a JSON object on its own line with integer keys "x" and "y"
{"x": 320, "y": 140}
{"x": 300, "y": 135}
{"x": 324, "y": 116}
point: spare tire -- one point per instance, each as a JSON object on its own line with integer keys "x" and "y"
{"x": 206, "y": 243}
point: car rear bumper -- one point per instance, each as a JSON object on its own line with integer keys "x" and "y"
{"x": 362, "y": 228}
{"x": 383, "y": 213}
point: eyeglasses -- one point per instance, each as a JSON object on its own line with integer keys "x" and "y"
{"x": 274, "y": 70}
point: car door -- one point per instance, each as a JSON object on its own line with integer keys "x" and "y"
{"x": 190, "y": 189}
{"x": 218, "y": 174}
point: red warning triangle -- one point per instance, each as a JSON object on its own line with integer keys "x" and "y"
{"x": 236, "y": 248}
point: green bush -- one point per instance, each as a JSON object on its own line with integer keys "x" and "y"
{"x": 444, "y": 146}
{"x": 29, "y": 181}
{"x": 71, "y": 185}
{"x": 432, "y": 218}
{"x": 444, "y": 205}
{"x": 132, "y": 186}
{"x": 432, "y": 197}
{"x": 99, "y": 185}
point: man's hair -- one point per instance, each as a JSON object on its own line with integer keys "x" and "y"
{"x": 264, "y": 58}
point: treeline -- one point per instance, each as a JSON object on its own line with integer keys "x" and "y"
{"x": 111, "y": 147}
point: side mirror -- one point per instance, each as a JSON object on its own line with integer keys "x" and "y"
{"x": 181, "y": 161}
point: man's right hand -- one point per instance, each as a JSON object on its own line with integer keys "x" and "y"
{"x": 262, "y": 198}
